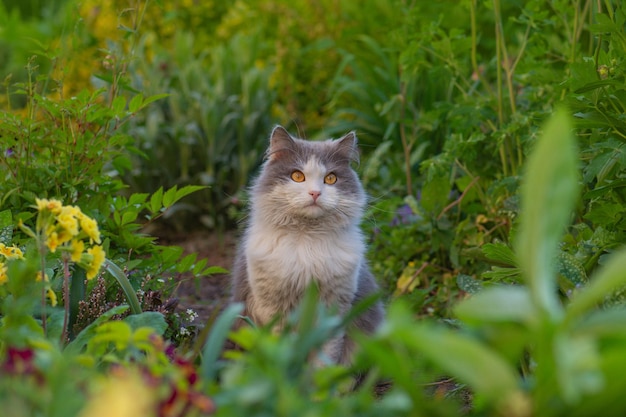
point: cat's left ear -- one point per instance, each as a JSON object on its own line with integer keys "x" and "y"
{"x": 280, "y": 142}
{"x": 348, "y": 147}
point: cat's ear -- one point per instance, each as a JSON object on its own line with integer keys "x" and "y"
{"x": 280, "y": 142}
{"x": 348, "y": 147}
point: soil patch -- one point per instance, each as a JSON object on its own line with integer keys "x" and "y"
{"x": 206, "y": 293}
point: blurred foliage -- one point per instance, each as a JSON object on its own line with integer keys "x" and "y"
{"x": 125, "y": 108}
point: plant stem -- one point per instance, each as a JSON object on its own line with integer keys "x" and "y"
{"x": 66, "y": 298}
{"x": 405, "y": 145}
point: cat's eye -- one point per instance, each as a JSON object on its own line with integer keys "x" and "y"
{"x": 297, "y": 176}
{"x": 330, "y": 179}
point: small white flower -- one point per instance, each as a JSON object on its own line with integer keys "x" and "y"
{"x": 183, "y": 331}
{"x": 191, "y": 315}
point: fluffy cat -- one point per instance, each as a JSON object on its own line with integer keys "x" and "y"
{"x": 305, "y": 210}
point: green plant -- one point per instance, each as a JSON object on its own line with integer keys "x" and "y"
{"x": 212, "y": 128}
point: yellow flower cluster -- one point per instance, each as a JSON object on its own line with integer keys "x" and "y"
{"x": 13, "y": 252}
{"x": 7, "y": 253}
{"x": 67, "y": 227}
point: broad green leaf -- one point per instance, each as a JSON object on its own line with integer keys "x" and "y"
{"x": 609, "y": 278}
{"x": 88, "y": 332}
{"x": 152, "y": 319}
{"x": 549, "y": 193}
{"x": 468, "y": 284}
{"x": 610, "y": 322}
{"x": 571, "y": 268}
{"x": 487, "y": 373}
{"x": 578, "y": 366}
{"x": 498, "y": 304}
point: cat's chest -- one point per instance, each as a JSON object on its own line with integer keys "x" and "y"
{"x": 299, "y": 258}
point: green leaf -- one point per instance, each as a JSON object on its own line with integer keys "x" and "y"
{"x": 199, "y": 266}
{"x": 152, "y": 319}
{"x": 500, "y": 274}
{"x": 118, "y": 105}
{"x": 156, "y": 201}
{"x": 128, "y": 289}
{"x": 499, "y": 252}
{"x": 498, "y": 304}
{"x": 215, "y": 342}
{"x": 186, "y": 263}
{"x": 435, "y": 194}
{"x": 77, "y": 345}
{"x": 135, "y": 103}
{"x": 6, "y": 227}
{"x": 186, "y": 190}
{"x": 487, "y": 373}
{"x": 169, "y": 197}
{"x": 611, "y": 322}
{"x": 468, "y": 284}
{"x": 571, "y": 268}
{"x": 549, "y": 193}
{"x": 154, "y": 98}
{"x": 77, "y": 294}
{"x": 609, "y": 278}
{"x": 215, "y": 270}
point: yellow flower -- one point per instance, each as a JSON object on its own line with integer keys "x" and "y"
{"x": 78, "y": 246}
{"x": 64, "y": 236}
{"x": 11, "y": 252}
{"x": 90, "y": 227}
{"x": 122, "y": 393}
{"x": 52, "y": 296}
{"x": 98, "y": 255}
{"x": 40, "y": 275}
{"x": 51, "y": 205}
{"x": 3, "y": 274}
{"x": 67, "y": 220}
{"x": 52, "y": 241}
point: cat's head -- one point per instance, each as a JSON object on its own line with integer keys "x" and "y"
{"x": 309, "y": 182}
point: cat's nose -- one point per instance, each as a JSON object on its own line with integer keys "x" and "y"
{"x": 315, "y": 195}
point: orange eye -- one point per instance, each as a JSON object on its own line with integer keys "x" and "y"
{"x": 297, "y": 176}
{"x": 330, "y": 179}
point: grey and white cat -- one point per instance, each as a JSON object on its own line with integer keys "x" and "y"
{"x": 305, "y": 210}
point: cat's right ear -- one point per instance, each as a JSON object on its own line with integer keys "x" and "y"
{"x": 280, "y": 142}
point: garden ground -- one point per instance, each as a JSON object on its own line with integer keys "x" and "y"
{"x": 205, "y": 294}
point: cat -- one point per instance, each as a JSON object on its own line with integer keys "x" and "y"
{"x": 304, "y": 225}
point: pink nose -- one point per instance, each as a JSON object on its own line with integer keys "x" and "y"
{"x": 315, "y": 195}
